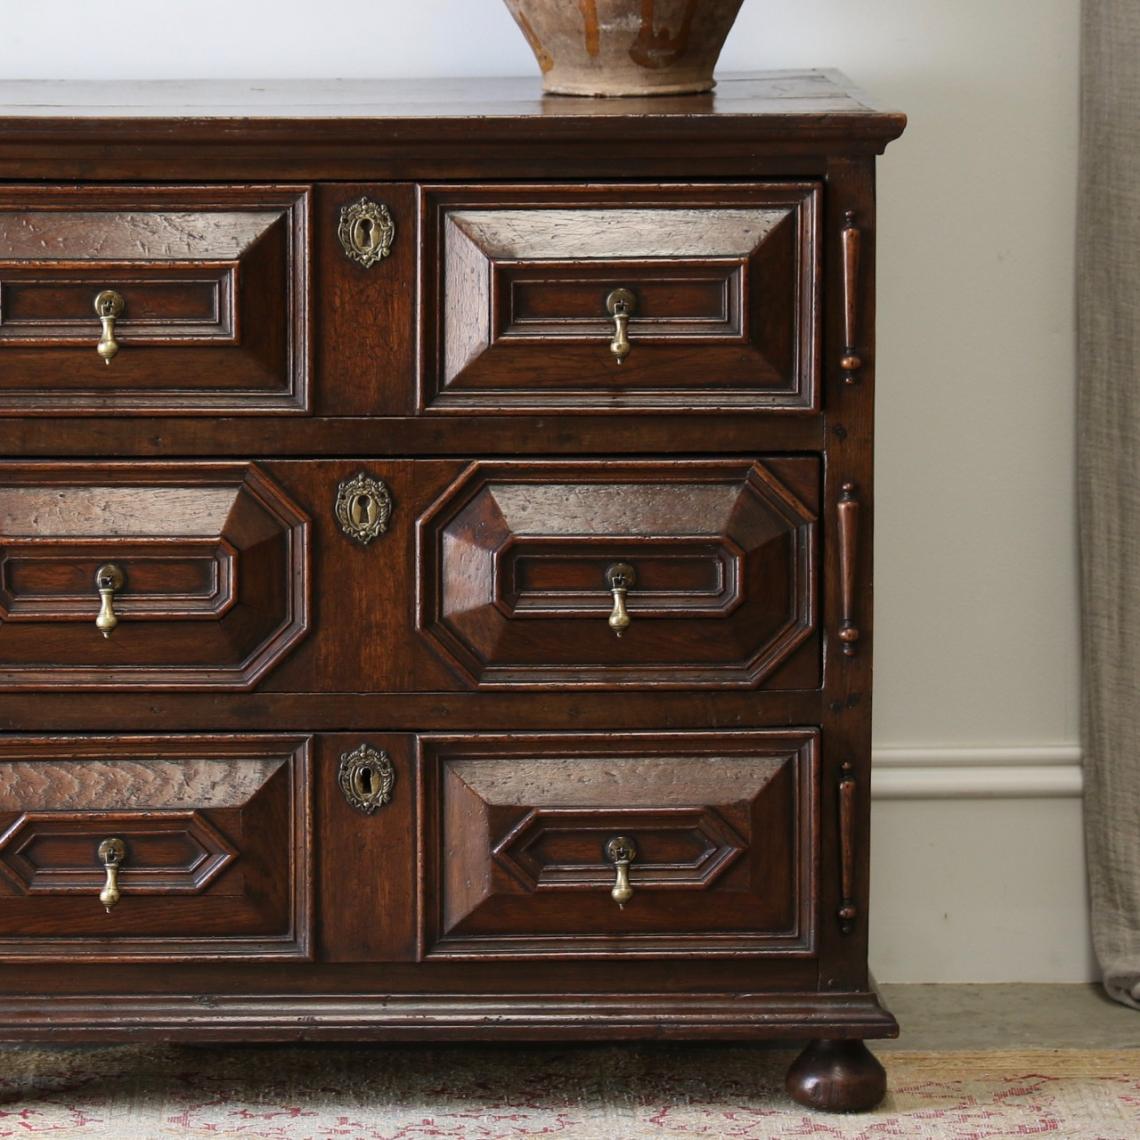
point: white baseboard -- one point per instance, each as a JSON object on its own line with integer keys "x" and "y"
{"x": 1023, "y": 772}
{"x": 978, "y": 866}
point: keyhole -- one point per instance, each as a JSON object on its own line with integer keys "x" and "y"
{"x": 364, "y": 779}
{"x": 362, "y": 510}
{"x": 364, "y": 235}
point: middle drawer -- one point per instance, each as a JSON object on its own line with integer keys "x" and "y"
{"x": 429, "y": 575}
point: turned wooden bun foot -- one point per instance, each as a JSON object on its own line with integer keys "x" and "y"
{"x": 837, "y": 1076}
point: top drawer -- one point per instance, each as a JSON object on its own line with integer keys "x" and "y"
{"x": 620, "y": 297}
{"x": 168, "y": 300}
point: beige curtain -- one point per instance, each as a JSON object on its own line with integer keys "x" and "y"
{"x": 1109, "y": 479}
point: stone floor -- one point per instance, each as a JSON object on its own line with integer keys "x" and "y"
{"x": 977, "y": 1017}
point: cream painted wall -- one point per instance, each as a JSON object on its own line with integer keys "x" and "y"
{"x": 976, "y": 583}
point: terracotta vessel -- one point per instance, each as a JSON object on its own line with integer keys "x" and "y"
{"x": 625, "y": 47}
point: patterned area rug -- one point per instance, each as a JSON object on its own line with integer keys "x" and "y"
{"x": 593, "y": 1093}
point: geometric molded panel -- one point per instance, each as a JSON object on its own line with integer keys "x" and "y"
{"x": 215, "y": 565}
{"x": 725, "y": 292}
{"x": 551, "y": 849}
{"x": 174, "y": 853}
{"x": 215, "y": 285}
{"x": 514, "y": 832}
{"x": 217, "y": 834}
{"x": 513, "y": 560}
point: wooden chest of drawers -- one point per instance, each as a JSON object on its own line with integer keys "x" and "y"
{"x": 435, "y": 564}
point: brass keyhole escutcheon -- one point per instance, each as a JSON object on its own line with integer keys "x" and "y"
{"x": 621, "y": 851}
{"x": 619, "y": 578}
{"x": 108, "y": 306}
{"x": 620, "y": 305}
{"x": 363, "y": 507}
{"x": 109, "y": 580}
{"x": 366, "y": 231}
{"x": 366, "y": 777}
{"x": 111, "y": 853}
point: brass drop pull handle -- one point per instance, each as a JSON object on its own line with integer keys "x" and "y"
{"x": 621, "y": 851}
{"x": 619, "y": 578}
{"x": 109, "y": 579}
{"x": 108, "y": 306}
{"x": 112, "y": 852}
{"x": 620, "y": 305}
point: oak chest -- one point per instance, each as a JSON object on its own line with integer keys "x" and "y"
{"x": 435, "y": 564}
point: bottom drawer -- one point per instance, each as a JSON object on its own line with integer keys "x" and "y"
{"x": 155, "y": 847}
{"x": 607, "y": 844}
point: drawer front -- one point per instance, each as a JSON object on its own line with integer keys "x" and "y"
{"x": 526, "y": 569}
{"x": 721, "y": 292}
{"x": 522, "y": 835}
{"x": 426, "y": 575}
{"x": 213, "y": 294}
{"x": 210, "y": 837}
{"x": 117, "y": 575}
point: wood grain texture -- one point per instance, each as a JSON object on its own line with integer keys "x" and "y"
{"x": 514, "y": 831}
{"x": 516, "y": 279}
{"x": 759, "y": 517}
{"x": 715, "y": 461}
{"x": 95, "y": 512}
{"x": 405, "y": 130}
{"x": 364, "y": 1016}
{"x": 219, "y": 868}
{"x": 215, "y": 284}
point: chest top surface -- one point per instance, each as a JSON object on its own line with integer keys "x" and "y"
{"x": 387, "y": 121}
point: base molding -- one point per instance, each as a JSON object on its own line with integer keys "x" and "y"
{"x": 63, "y": 1018}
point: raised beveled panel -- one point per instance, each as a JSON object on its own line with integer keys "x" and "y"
{"x": 171, "y": 852}
{"x": 215, "y": 561}
{"x": 218, "y": 843}
{"x": 513, "y": 560}
{"x": 725, "y": 281}
{"x": 215, "y": 282}
{"x": 41, "y": 580}
{"x": 514, "y": 830}
{"x": 558, "y": 847}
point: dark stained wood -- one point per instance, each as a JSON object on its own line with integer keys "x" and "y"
{"x": 727, "y": 460}
{"x": 754, "y": 522}
{"x": 389, "y": 436}
{"x": 370, "y": 1016}
{"x": 366, "y": 340}
{"x": 848, "y": 511}
{"x": 218, "y": 834}
{"x": 516, "y": 281}
{"x": 366, "y": 864}
{"x": 69, "y": 711}
{"x": 216, "y": 290}
{"x": 60, "y": 522}
{"x": 837, "y": 1076}
{"x": 514, "y": 832}
{"x": 848, "y": 787}
{"x": 852, "y": 242}
{"x": 498, "y": 128}
{"x": 846, "y": 704}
